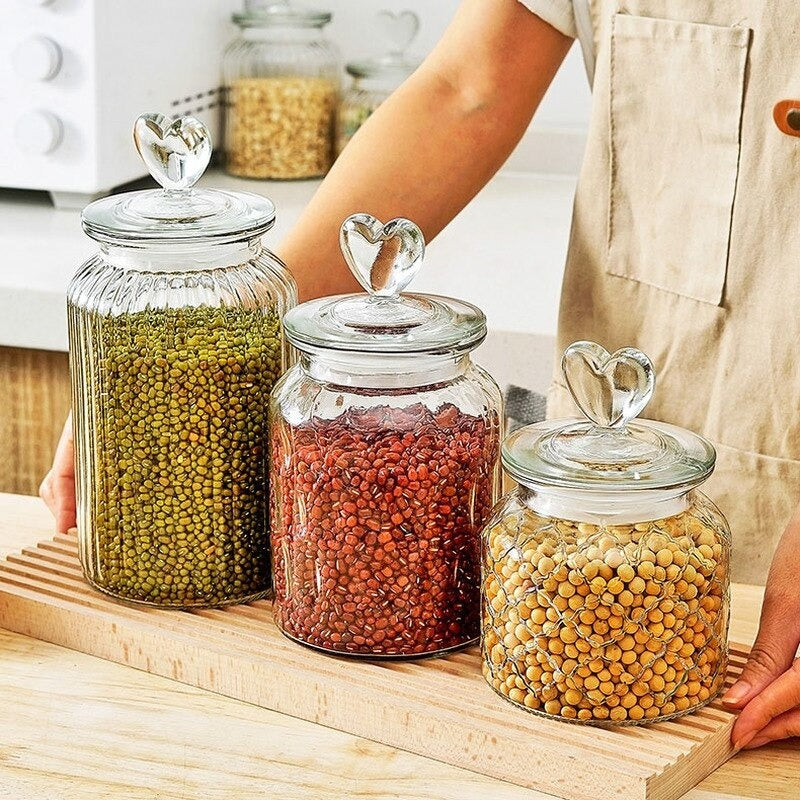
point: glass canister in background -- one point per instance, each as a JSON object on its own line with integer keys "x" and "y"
{"x": 175, "y": 344}
{"x": 384, "y": 441}
{"x": 606, "y": 572}
{"x": 373, "y": 80}
{"x": 281, "y": 80}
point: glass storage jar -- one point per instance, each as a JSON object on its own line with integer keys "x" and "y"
{"x": 281, "y": 79}
{"x": 605, "y": 583}
{"x": 373, "y": 80}
{"x": 385, "y": 455}
{"x": 175, "y": 344}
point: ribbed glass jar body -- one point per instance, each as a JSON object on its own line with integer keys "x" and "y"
{"x": 384, "y": 470}
{"x": 606, "y": 623}
{"x": 281, "y": 95}
{"x": 173, "y": 351}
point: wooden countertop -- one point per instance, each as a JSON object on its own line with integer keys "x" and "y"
{"x": 74, "y": 727}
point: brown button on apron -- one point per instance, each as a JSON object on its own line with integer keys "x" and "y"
{"x": 787, "y": 116}
{"x": 685, "y": 238}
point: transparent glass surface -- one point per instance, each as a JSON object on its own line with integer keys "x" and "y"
{"x": 610, "y": 450}
{"x": 383, "y": 474}
{"x": 606, "y": 573}
{"x": 384, "y": 259}
{"x": 572, "y": 453}
{"x": 175, "y": 343}
{"x": 173, "y": 353}
{"x": 281, "y": 86}
{"x": 373, "y": 80}
{"x": 605, "y": 623}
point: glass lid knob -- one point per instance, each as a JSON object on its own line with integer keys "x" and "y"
{"x": 611, "y": 389}
{"x": 383, "y": 258}
{"x": 397, "y": 30}
{"x": 175, "y": 151}
{"x": 267, "y": 6}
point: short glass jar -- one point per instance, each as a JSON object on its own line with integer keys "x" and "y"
{"x": 175, "y": 344}
{"x": 281, "y": 79}
{"x": 373, "y": 80}
{"x": 606, "y": 572}
{"x": 385, "y": 461}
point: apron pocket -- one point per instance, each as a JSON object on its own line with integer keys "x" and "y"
{"x": 675, "y": 109}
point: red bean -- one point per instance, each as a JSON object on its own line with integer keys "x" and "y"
{"x": 376, "y": 528}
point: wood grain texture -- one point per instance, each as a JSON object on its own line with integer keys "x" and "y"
{"x": 35, "y": 399}
{"x": 440, "y": 708}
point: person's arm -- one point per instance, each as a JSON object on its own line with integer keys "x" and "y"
{"x": 431, "y": 146}
{"x": 768, "y": 691}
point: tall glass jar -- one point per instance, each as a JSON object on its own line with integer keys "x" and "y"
{"x": 373, "y": 80}
{"x": 281, "y": 79}
{"x": 385, "y": 460}
{"x": 175, "y": 344}
{"x": 606, "y": 572}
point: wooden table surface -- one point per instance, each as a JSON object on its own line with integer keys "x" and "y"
{"x": 74, "y": 727}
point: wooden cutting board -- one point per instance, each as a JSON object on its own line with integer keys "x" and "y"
{"x": 440, "y": 708}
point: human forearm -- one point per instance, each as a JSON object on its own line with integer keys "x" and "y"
{"x": 429, "y": 148}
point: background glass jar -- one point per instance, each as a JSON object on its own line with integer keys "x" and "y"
{"x": 281, "y": 79}
{"x": 606, "y": 573}
{"x": 373, "y": 80}
{"x": 385, "y": 444}
{"x": 175, "y": 344}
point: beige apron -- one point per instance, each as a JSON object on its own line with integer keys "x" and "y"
{"x": 686, "y": 238}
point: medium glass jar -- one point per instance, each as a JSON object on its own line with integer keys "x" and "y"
{"x": 373, "y": 80}
{"x": 281, "y": 79}
{"x": 175, "y": 344}
{"x": 606, "y": 572}
{"x": 385, "y": 461}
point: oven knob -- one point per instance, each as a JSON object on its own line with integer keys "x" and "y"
{"x": 38, "y": 132}
{"x": 37, "y": 58}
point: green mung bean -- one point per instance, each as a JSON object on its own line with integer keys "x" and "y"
{"x": 177, "y": 470}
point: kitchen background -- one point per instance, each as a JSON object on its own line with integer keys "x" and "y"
{"x": 505, "y": 252}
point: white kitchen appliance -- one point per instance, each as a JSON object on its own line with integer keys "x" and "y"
{"x": 75, "y": 74}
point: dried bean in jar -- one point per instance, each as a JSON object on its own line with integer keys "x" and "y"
{"x": 376, "y": 521}
{"x": 173, "y": 415}
{"x": 281, "y": 127}
{"x": 606, "y": 624}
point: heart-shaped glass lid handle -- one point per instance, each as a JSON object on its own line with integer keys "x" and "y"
{"x": 611, "y": 389}
{"x": 397, "y": 30}
{"x": 383, "y": 258}
{"x": 612, "y": 450}
{"x": 176, "y": 152}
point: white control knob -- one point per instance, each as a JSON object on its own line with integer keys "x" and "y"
{"x": 37, "y": 58}
{"x": 38, "y": 133}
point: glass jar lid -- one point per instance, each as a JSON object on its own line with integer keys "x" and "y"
{"x": 608, "y": 451}
{"x": 176, "y": 153}
{"x": 397, "y": 31}
{"x": 384, "y": 259}
{"x": 279, "y": 13}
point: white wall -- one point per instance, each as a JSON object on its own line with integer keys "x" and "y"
{"x": 555, "y": 140}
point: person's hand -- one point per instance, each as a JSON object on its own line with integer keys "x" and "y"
{"x": 58, "y": 486}
{"x": 768, "y": 690}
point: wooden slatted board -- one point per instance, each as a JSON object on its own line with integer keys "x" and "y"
{"x": 440, "y": 708}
